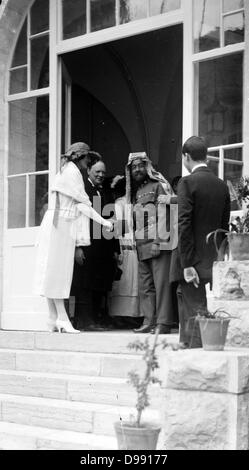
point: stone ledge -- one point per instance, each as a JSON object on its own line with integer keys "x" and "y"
{"x": 214, "y": 371}
{"x": 230, "y": 275}
{"x": 205, "y": 421}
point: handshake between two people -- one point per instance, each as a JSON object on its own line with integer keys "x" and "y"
{"x": 109, "y": 225}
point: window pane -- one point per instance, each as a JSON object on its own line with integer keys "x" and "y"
{"x": 232, "y": 172}
{"x": 20, "y": 54}
{"x": 220, "y": 99}
{"x": 158, "y": 7}
{"x": 131, "y": 10}
{"x": 40, "y": 16}
{"x": 38, "y": 198}
{"x": 231, "y": 5}
{"x": 74, "y": 18}
{"x": 16, "y": 202}
{"x": 206, "y": 25}
{"x": 102, "y": 14}
{"x": 40, "y": 62}
{"x": 28, "y": 138}
{"x": 214, "y": 166}
{"x": 234, "y": 28}
{"x": 233, "y": 154}
{"x": 214, "y": 153}
{"x": 18, "y": 80}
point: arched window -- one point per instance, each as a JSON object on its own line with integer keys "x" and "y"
{"x": 86, "y": 16}
{"x": 29, "y": 120}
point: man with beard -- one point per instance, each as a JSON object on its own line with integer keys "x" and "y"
{"x": 144, "y": 185}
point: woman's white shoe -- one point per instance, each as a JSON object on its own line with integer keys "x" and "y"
{"x": 52, "y": 326}
{"x": 65, "y": 327}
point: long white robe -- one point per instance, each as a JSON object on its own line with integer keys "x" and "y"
{"x": 124, "y": 300}
{"x": 65, "y": 225}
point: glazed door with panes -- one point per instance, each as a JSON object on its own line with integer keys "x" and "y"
{"x": 27, "y": 169}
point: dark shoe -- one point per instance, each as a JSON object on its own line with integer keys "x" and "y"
{"x": 178, "y": 346}
{"x": 93, "y": 327}
{"x": 143, "y": 329}
{"x": 163, "y": 329}
{"x": 183, "y": 346}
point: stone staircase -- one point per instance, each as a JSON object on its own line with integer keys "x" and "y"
{"x": 62, "y": 391}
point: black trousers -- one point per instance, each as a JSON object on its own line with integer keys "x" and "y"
{"x": 88, "y": 306}
{"x": 190, "y": 299}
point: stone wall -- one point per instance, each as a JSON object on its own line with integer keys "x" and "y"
{"x": 231, "y": 293}
{"x": 206, "y": 400}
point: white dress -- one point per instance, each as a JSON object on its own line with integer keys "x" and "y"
{"x": 124, "y": 300}
{"x": 65, "y": 225}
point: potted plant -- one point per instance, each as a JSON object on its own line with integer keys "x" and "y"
{"x": 213, "y": 328}
{"x": 238, "y": 234}
{"x": 137, "y": 434}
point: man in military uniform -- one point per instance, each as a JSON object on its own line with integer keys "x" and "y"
{"x": 144, "y": 186}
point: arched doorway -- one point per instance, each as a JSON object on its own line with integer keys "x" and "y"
{"x": 127, "y": 97}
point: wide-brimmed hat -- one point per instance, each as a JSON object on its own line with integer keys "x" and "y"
{"x": 77, "y": 151}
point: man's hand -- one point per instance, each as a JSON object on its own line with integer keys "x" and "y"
{"x": 190, "y": 275}
{"x": 118, "y": 258}
{"x": 79, "y": 255}
{"x": 164, "y": 198}
{"x": 155, "y": 250}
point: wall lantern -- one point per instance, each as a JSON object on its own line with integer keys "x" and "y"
{"x": 215, "y": 112}
{"x": 215, "y": 117}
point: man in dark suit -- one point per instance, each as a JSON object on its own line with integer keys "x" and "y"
{"x": 95, "y": 265}
{"x": 203, "y": 206}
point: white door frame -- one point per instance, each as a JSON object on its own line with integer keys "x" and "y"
{"x": 181, "y": 16}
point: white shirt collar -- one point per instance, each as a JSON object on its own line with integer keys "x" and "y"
{"x": 90, "y": 181}
{"x": 199, "y": 165}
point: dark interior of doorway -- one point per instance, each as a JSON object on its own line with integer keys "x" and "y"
{"x": 127, "y": 97}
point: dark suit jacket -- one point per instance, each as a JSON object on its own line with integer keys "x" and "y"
{"x": 99, "y": 268}
{"x": 203, "y": 206}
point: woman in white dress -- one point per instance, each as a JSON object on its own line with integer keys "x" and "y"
{"x": 65, "y": 225}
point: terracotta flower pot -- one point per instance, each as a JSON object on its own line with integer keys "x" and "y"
{"x": 239, "y": 245}
{"x": 213, "y": 333}
{"x": 130, "y": 437}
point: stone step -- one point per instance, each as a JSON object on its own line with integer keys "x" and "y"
{"x": 102, "y": 390}
{"x": 21, "y": 437}
{"x": 65, "y": 415}
{"x": 96, "y": 342}
{"x": 90, "y": 364}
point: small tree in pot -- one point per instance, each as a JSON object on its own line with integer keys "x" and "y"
{"x": 238, "y": 236}
{"x": 136, "y": 434}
